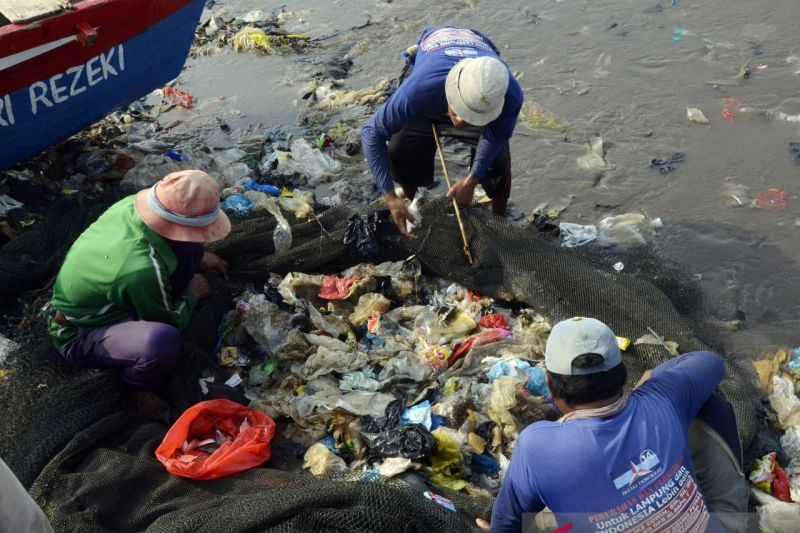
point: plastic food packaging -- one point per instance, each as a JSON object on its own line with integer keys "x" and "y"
{"x": 696, "y": 116}
{"x": 242, "y": 434}
{"x": 593, "y": 159}
{"x": 415, "y": 212}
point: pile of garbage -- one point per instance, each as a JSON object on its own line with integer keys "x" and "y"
{"x": 776, "y": 486}
{"x": 380, "y": 370}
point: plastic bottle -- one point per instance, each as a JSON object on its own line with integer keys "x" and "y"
{"x": 176, "y": 155}
{"x": 268, "y": 189}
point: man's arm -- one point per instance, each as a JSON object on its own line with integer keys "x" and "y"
{"x": 385, "y": 122}
{"x": 686, "y": 381}
{"x": 497, "y": 132}
{"x": 518, "y": 494}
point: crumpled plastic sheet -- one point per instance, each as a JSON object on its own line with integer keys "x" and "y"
{"x": 502, "y": 400}
{"x": 282, "y": 235}
{"x": 319, "y": 460}
{"x": 301, "y": 203}
{"x": 392, "y": 466}
{"x": 768, "y": 367}
{"x": 364, "y": 403}
{"x": 331, "y": 324}
{"x": 367, "y": 304}
{"x": 297, "y": 288}
{"x": 447, "y": 464}
{"x": 437, "y": 328}
{"x": 785, "y": 402}
{"x": 359, "y": 380}
{"x": 628, "y": 229}
{"x": 7, "y": 204}
{"x": 325, "y": 361}
{"x": 775, "y": 516}
{"x": 310, "y": 162}
{"x": 267, "y": 323}
{"x": 576, "y": 234}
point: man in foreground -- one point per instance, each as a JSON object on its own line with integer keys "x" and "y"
{"x": 458, "y": 83}
{"x": 130, "y": 282}
{"x": 617, "y": 463}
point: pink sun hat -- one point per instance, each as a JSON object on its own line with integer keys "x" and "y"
{"x": 184, "y": 206}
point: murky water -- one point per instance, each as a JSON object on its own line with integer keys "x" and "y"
{"x": 640, "y": 82}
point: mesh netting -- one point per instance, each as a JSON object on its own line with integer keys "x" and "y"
{"x": 91, "y": 465}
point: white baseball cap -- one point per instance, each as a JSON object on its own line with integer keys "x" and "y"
{"x": 577, "y": 336}
{"x": 476, "y": 89}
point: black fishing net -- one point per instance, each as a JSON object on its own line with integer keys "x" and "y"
{"x": 70, "y": 437}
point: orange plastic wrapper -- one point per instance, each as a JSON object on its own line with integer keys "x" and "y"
{"x": 246, "y": 436}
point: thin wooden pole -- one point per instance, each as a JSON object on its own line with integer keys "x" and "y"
{"x": 467, "y": 251}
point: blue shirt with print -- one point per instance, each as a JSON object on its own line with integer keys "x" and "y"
{"x": 631, "y": 471}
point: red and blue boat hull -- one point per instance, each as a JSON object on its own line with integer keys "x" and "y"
{"x": 60, "y": 74}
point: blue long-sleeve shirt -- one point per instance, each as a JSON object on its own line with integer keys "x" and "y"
{"x": 422, "y": 94}
{"x": 630, "y": 471}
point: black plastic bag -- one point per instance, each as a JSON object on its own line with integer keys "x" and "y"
{"x": 362, "y": 235}
{"x": 665, "y": 166}
{"x": 413, "y": 442}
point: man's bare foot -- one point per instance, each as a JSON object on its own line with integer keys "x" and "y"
{"x": 151, "y": 405}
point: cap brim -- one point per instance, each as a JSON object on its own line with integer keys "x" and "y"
{"x": 218, "y": 229}
{"x": 455, "y": 101}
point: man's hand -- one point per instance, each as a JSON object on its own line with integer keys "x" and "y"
{"x": 463, "y": 191}
{"x": 211, "y": 263}
{"x": 483, "y": 525}
{"x": 199, "y": 286}
{"x": 399, "y": 211}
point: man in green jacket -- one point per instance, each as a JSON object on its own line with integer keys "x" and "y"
{"x": 130, "y": 282}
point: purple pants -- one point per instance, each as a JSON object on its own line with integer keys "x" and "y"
{"x": 146, "y": 352}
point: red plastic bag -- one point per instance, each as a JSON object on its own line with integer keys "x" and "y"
{"x": 775, "y": 199}
{"x": 179, "y": 98}
{"x": 487, "y": 337}
{"x": 243, "y": 435}
{"x": 494, "y": 320}
{"x": 780, "y": 484}
{"x": 336, "y": 288}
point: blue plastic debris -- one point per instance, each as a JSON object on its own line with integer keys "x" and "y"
{"x": 372, "y": 340}
{"x": 440, "y": 500}
{"x": 794, "y": 364}
{"x": 418, "y": 414}
{"x": 237, "y": 203}
{"x": 269, "y": 189}
{"x": 438, "y": 421}
{"x": 537, "y": 383}
{"x": 485, "y": 464}
{"x": 176, "y": 155}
